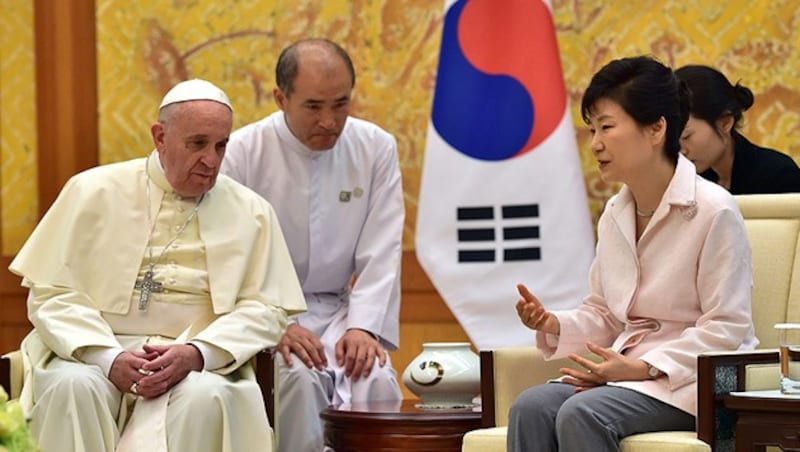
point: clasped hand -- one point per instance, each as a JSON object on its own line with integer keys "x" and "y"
{"x": 355, "y": 351}
{"x": 155, "y": 370}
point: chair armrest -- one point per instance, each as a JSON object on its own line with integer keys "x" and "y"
{"x": 719, "y": 373}
{"x": 266, "y": 377}
{"x": 5, "y": 374}
{"x": 11, "y": 373}
{"x": 506, "y": 372}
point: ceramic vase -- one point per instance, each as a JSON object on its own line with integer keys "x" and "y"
{"x": 444, "y": 374}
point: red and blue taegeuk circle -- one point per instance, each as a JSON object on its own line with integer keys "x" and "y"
{"x": 499, "y": 87}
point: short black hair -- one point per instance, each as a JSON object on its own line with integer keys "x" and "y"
{"x": 287, "y": 66}
{"x": 647, "y": 90}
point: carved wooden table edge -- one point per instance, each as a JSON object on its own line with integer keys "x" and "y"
{"x": 396, "y": 426}
{"x": 765, "y": 421}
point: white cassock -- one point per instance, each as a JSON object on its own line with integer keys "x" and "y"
{"x": 342, "y": 214}
{"x": 227, "y": 286}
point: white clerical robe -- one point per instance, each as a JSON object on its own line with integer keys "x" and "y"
{"x": 92, "y": 244}
{"x": 341, "y": 211}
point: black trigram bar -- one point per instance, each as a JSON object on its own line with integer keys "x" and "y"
{"x": 522, "y": 254}
{"x": 475, "y": 213}
{"x": 475, "y": 235}
{"x": 521, "y": 211}
{"x": 484, "y": 234}
{"x": 476, "y": 255}
{"x": 521, "y": 232}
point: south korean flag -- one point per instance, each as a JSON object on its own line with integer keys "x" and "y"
{"x": 502, "y": 198}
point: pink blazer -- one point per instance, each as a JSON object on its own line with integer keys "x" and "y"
{"x": 684, "y": 288}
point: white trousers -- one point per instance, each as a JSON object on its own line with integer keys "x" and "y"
{"x": 304, "y": 392}
{"x": 78, "y": 409}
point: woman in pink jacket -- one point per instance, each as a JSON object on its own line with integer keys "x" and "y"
{"x": 671, "y": 279}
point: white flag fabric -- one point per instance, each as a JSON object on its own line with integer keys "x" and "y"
{"x": 502, "y": 199}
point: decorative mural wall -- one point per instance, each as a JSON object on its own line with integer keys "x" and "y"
{"x": 18, "y": 206}
{"x": 146, "y": 46}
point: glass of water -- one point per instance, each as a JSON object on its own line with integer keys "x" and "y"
{"x": 789, "y": 337}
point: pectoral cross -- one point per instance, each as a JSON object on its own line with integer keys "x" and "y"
{"x": 146, "y": 285}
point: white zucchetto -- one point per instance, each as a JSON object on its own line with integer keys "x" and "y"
{"x": 195, "y": 89}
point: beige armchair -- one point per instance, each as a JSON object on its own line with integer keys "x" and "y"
{"x": 11, "y": 373}
{"x": 773, "y": 227}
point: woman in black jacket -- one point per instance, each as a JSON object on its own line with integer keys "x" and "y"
{"x": 712, "y": 141}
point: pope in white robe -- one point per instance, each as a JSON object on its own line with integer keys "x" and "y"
{"x": 335, "y": 183}
{"x": 153, "y": 283}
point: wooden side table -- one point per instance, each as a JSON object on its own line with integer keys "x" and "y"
{"x": 764, "y": 421}
{"x": 396, "y": 426}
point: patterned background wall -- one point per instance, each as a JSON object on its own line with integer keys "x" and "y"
{"x": 17, "y": 124}
{"x": 146, "y": 46}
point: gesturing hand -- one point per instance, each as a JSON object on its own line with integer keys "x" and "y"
{"x": 356, "y": 352}
{"x": 612, "y": 367}
{"x": 305, "y": 345}
{"x": 533, "y": 314}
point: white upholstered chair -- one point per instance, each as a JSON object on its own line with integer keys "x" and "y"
{"x": 773, "y": 228}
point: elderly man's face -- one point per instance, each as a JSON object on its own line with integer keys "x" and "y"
{"x": 191, "y": 142}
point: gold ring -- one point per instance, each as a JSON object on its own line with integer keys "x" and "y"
{"x": 134, "y": 389}
{"x": 145, "y": 372}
